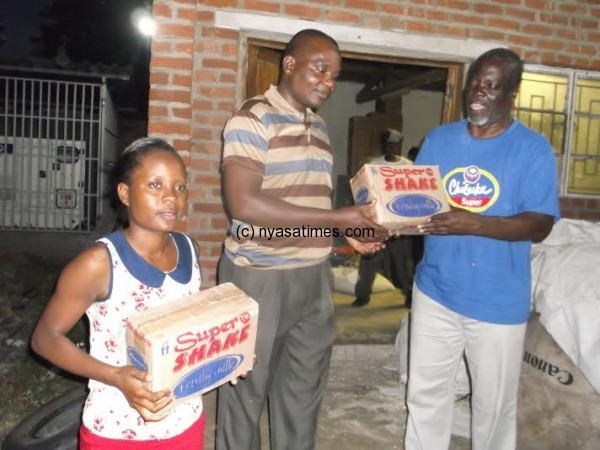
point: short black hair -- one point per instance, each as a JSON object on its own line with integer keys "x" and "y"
{"x": 122, "y": 168}
{"x": 300, "y": 38}
{"x": 512, "y": 62}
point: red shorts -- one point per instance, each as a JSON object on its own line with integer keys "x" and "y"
{"x": 192, "y": 438}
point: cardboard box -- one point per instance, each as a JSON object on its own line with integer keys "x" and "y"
{"x": 405, "y": 195}
{"x": 196, "y": 343}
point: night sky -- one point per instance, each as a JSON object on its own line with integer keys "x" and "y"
{"x": 20, "y": 20}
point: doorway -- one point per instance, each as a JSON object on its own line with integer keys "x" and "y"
{"x": 374, "y": 92}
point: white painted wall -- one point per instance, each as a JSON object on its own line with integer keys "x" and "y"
{"x": 421, "y": 111}
{"x": 337, "y": 112}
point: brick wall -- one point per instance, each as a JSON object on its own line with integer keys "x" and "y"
{"x": 580, "y": 208}
{"x": 194, "y": 65}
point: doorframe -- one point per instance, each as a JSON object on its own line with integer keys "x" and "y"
{"x": 366, "y": 42}
{"x": 452, "y": 98}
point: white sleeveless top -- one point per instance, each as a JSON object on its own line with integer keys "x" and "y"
{"x": 135, "y": 285}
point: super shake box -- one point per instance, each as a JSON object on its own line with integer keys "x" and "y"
{"x": 405, "y": 195}
{"x": 196, "y": 343}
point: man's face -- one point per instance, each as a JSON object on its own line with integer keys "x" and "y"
{"x": 487, "y": 99}
{"x": 312, "y": 72}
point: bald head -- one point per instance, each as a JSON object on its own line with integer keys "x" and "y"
{"x": 302, "y": 40}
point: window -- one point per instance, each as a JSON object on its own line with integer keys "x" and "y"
{"x": 564, "y": 106}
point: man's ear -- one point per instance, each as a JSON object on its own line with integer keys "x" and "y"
{"x": 288, "y": 64}
{"x": 123, "y": 192}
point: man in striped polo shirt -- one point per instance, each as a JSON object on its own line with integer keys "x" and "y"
{"x": 277, "y": 180}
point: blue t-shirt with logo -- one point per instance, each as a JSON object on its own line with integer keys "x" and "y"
{"x": 483, "y": 278}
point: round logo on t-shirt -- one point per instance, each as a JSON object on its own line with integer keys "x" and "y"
{"x": 471, "y": 188}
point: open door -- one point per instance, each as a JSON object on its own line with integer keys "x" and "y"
{"x": 263, "y": 69}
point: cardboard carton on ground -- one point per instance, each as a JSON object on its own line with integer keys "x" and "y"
{"x": 196, "y": 343}
{"x": 405, "y": 195}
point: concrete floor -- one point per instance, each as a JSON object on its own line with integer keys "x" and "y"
{"x": 364, "y": 405}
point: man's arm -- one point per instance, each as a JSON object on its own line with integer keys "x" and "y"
{"x": 246, "y": 202}
{"x": 526, "y": 226}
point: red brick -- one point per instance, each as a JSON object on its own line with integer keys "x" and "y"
{"x": 486, "y": 8}
{"x": 207, "y": 180}
{"x": 227, "y": 106}
{"x": 519, "y": 13}
{"x": 477, "y": 33}
{"x": 452, "y": 31}
{"x": 454, "y": 4}
{"x": 169, "y": 95}
{"x": 211, "y": 118}
{"x": 198, "y": 222}
{"x": 572, "y": 8}
{"x": 471, "y": 20}
{"x": 220, "y": 3}
{"x": 175, "y": 30}
{"x": 520, "y": 40}
{"x": 181, "y": 113}
{"x": 592, "y": 204}
{"x": 219, "y": 223}
{"x": 169, "y": 128}
{"x": 503, "y": 24}
{"x": 367, "y": 5}
{"x": 209, "y": 46}
{"x": 230, "y": 49}
{"x": 182, "y": 80}
{"x": 184, "y": 47}
{"x": 567, "y": 34}
{"x": 224, "y": 33}
{"x": 213, "y": 149}
{"x": 159, "y": 78}
{"x": 554, "y": 19}
{"x": 205, "y": 75}
{"x": 548, "y": 58}
{"x": 227, "y": 77}
{"x": 183, "y": 145}
{"x": 532, "y": 57}
{"x": 202, "y": 133}
{"x": 202, "y": 105}
{"x": 216, "y": 92}
{"x": 509, "y": 2}
{"x": 539, "y": 4}
{"x": 200, "y": 164}
{"x": 435, "y": 15}
{"x": 550, "y": 44}
{"x": 564, "y": 60}
{"x": 208, "y": 207}
{"x": 205, "y": 16}
{"x": 163, "y": 11}
{"x": 341, "y": 16}
{"x": 188, "y": 14}
{"x": 157, "y": 110}
{"x": 419, "y": 27}
{"x": 167, "y": 62}
{"x": 306, "y": 12}
{"x": 327, "y": 2}
{"x": 578, "y": 22}
{"x": 161, "y": 46}
{"x": 392, "y": 8}
{"x": 220, "y": 63}
{"x": 258, "y": 5}
{"x": 542, "y": 30}
{"x": 592, "y": 37}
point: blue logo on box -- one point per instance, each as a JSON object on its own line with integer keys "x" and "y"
{"x": 207, "y": 375}
{"x": 414, "y": 205}
{"x": 362, "y": 195}
{"x": 136, "y": 359}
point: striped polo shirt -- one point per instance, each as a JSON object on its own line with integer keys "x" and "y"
{"x": 290, "y": 150}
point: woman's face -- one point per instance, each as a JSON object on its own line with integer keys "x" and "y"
{"x": 156, "y": 197}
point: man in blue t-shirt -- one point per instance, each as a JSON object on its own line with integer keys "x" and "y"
{"x": 472, "y": 287}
